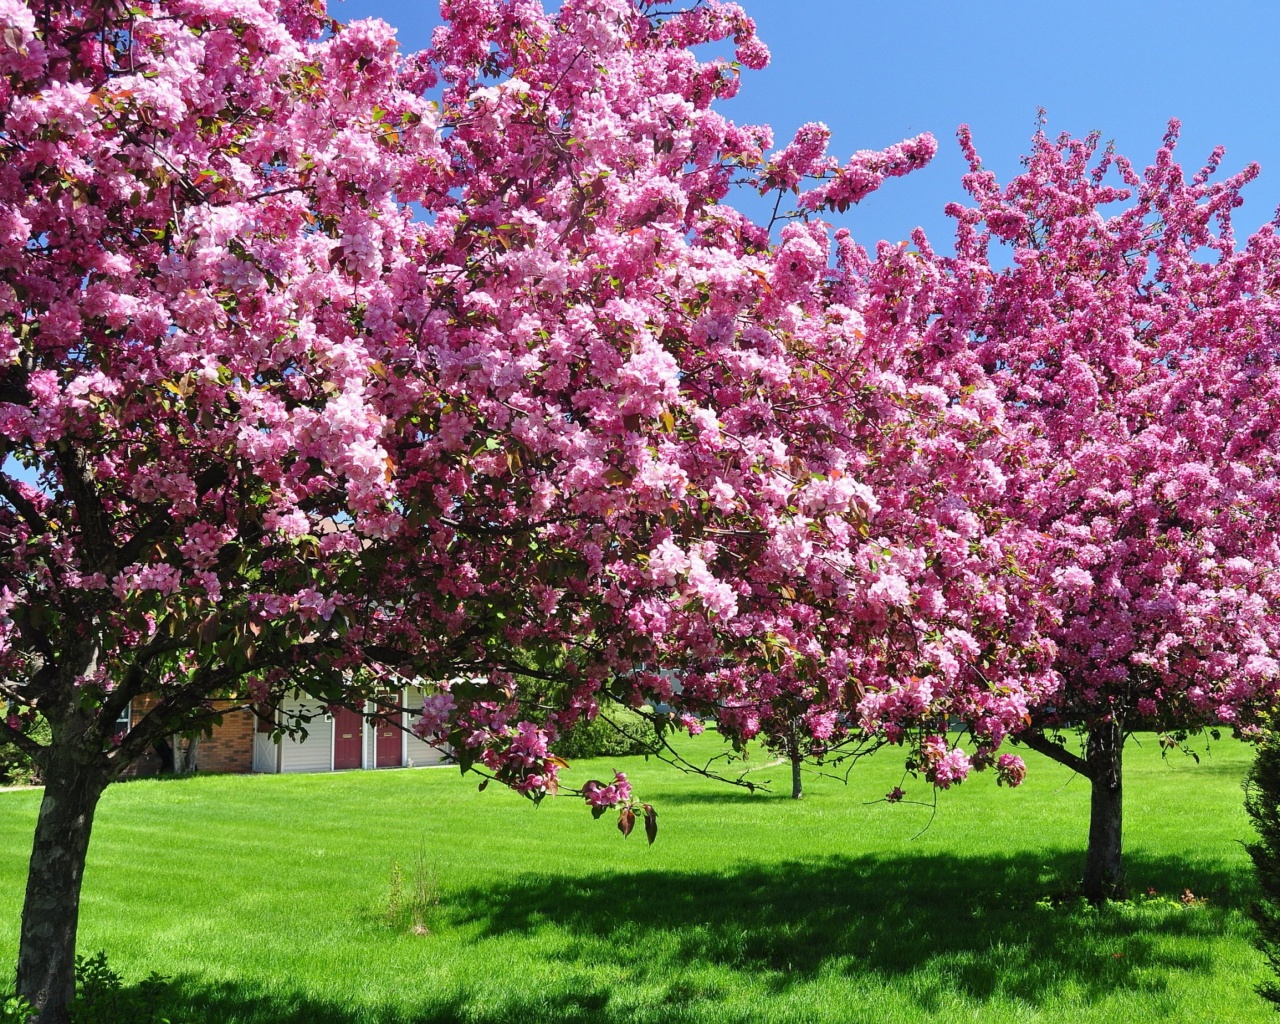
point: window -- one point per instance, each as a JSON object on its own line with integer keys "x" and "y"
{"x": 123, "y": 722}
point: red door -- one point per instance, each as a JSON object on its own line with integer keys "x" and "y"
{"x": 346, "y": 739}
{"x": 387, "y": 746}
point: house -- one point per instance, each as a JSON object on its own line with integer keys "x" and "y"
{"x": 336, "y": 740}
{"x": 343, "y": 740}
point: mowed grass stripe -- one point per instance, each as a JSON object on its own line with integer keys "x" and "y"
{"x": 266, "y": 899}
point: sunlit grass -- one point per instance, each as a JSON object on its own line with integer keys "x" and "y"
{"x": 266, "y": 899}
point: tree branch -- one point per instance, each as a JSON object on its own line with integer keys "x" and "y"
{"x": 134, "y": 682}
{"x": 94, "y": 528}
{"x": 20, "y": 740}
{"x": 149, "y": 533}
{"x": 11, "y": 693}
{"x": 171, "y": 714}
{"x": 36, "y": 639}
{"x": 1041, "y": 744}
{"x": 23, "y": 507}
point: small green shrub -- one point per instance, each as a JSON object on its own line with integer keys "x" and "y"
{"x": 14, "y": 1009}
{"x": 616, "y": 732}
{"x": 102, "y": 998}
{"x": 1262, "y": 801}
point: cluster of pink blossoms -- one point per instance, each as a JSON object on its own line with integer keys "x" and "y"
{"x": 942, "y": 764}
{"x": 461, "y": 364}
{"x": 1146, "y": 421}
{"x": 601, "y": 796}
{"x": 1010, "y": 770}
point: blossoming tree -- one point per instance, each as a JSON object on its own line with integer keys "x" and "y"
{"x": 1133, "y": 346}
{"x": 319, "y": 379}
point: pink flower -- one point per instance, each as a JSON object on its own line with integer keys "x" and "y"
{"x": 692, "y": 724}
{"x": 312, "y": 605}
{"x": 717, "y": 595}
{"x": 1010, "y": 770}
{"x": 435, "y": 720}
{"x": 804, "y": 155}
{"x": 600, "y": 796}
{"x": 950, "y": 769}
{"x": 529, "y": 744}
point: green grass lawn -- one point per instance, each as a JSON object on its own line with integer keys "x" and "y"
{"x": 265, "y": 899}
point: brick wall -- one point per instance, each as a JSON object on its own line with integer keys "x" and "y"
{"x": 229, "y": 749}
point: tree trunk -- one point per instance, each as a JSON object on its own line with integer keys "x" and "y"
{"x": 1103, "y": 874}
{"x": 1101, "y": 765}
{"x": 184, "y": 754}
{"x": 793, "y": 750}
{"x": 46, "y": 950}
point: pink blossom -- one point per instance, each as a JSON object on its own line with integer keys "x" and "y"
{"x": 529, "y": 743}
{"x": 311, "y": 604}
{"x": 434, "y": 721}
{"x": 890, "y": 588}
{"x": 617, "y": 792}
{"x": 951, "y": 768}
{"x": 1010, "y": 770}
{"x": 717, "y": 595}
{"x": 804, "y": 155}
{"x": 692, "y": 724}
{"x": 667, "y": 562}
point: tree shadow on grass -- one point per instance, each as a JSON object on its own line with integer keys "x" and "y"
{"x": 932, "y": 926}
{"x": 1207, "y": 767}
{"x": 195, "y": 1000}
{"x": 986, "y": 919}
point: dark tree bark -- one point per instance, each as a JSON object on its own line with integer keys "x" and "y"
{"x": 797, "y": 758}
{"x": 78, "y": 764}
{"x": 46, "y": 950}
{"x": 1102, "y": 766}
{"x": 163, "y": 749}
{"x": 1103, "y": 869}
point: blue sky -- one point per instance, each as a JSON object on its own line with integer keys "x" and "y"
{"x": 877, "y": 72}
